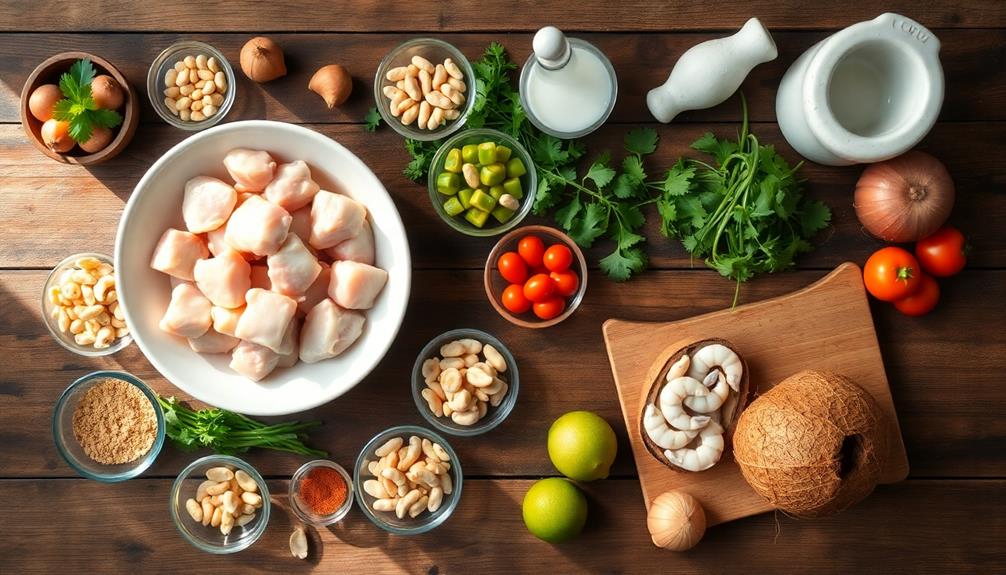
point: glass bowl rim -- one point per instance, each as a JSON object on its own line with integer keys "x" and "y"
{"x": 306, "y": 515}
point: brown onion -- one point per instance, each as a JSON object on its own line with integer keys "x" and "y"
{"x": 262, "y": 59}
{"x": 904, "y": 199}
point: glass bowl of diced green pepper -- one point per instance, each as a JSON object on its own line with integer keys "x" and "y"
{"x": 482, "y": 182}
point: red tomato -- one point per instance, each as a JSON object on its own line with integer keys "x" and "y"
{"x": 944, "y": 253}
{"x": 539, "y": 288}
{"x": 550, "y": 308}
{"x": 891, "y": 274}
{"x": 514, "y": 300}
{"x": 557, "y": 258}
{"x": 566, "y": 282}
{"x": 512, "y": 267}
{"x": 531, "y": 248}
{"x": 923, "y": 300}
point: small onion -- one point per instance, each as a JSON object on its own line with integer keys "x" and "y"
{"x": 262, "y": 59}
{"x": 676, "y": 521}
{"x": 904, "y": 199}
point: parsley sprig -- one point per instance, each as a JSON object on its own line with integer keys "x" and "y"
{"x": 78, "y": 107}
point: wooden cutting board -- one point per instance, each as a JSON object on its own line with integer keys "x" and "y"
{"x": 826, "y": 326}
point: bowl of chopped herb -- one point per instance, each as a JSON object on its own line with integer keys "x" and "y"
{"x": 108, "y": 426}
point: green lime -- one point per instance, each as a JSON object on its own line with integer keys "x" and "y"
{"x": 555, "y": 510}
{"x": 582, "y": 446}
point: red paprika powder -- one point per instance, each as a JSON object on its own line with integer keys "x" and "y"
{"x": 324, "y": 490}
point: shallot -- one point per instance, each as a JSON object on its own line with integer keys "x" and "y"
{"x": 904, "y": 199}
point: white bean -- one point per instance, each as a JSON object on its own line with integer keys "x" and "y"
{"x": 392, "y": 445}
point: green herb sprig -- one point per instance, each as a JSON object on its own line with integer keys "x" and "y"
{"x": 230, "y": 433}
{"x": 78, "y": 107}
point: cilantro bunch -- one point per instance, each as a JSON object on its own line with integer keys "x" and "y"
{"x": 78, "y": 107}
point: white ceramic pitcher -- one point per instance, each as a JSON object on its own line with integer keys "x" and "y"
{"x": 865, "y": 94}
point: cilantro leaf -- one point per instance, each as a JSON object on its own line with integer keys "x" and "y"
{"x": 813, "y": 217}
{"x": 564, "y": 216}
{"x": 641, "y": 141}
{"x": 678, "y": 179}
{"x": 589, "y": 225}
{"x": 620, "y": 265}
{"x": 105, "y": 118}
{"x": 80, "y": 128}
{"x": 599, "y": 172}
{"x": 372, "y": 119}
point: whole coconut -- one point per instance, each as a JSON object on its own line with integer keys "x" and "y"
{"x": 811, "y": 445}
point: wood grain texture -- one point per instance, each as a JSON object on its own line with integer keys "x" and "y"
{"x": 974, "y": 63}
{"x": 909, "y": 527}
{"x": 374, "y": 15}
{"x": 824, "y": 326}
{"x": 42, "y": 216}
{"x": 923, "y": 357}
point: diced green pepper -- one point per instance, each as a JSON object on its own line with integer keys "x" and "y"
{"x": 487, "y": 153}
{"x": 483, "y": 201}
{"x": 502, "y": 214}
{"x": 470, "y": 154}
{"x": 448, "y": 183}
{"x": 476, "y": 217}
{"x": 453, "y": 161}
{"x": 515, "y": 168}
{"x": 512, "y": 187}
{"x": 465, "y": 196}
{"x": 453, "y": 207}
{"x": 496, "y": 192}
{"x": 492, "y": 174}
{"x": 502, "y": 153}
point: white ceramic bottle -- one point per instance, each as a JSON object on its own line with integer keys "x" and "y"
{"x": 710, "y": 72}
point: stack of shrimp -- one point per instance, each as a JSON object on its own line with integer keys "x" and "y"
{"x": 698, "y": 399}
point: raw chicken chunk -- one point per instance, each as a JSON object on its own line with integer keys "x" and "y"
{"x": 188, "y": 313}
{"x": 260, "y": 277}
{"x": 328, "y": 331}
{"x": 266, "y": 318}
{"x": 225, "y": 320}
{"x": 293, "y": 268}
{"x": 207, "y": 204}
{"x": 354, "y": 285}
{"x": 213, "y": 342}
{"x": 258, "y": 226}
{"x": 290, "y": 348}
{"x": 301, "y": 224}
{"x": 293, "y": 187}
{"x": 318, "y": 290}
{"x": 253, "y": 361}
{"x": 359, "y": 248}
{"x": 177, "y": 252}
{"x": 334, "y": 219}
{"x": 216, "y": 242}
{"x": 224, "y": 279}
{"x": 252, "y": 170}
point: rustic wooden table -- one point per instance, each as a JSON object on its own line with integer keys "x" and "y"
{"x": 946, "y": 369}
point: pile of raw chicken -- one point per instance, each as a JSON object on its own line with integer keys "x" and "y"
{"x": 292, "y": 266}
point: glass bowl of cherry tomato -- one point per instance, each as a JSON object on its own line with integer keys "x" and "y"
{"x": 535, "y": 276}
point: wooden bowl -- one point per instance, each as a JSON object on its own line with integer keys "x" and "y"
{"x": 48, "y": 72}
{"x": 495, "y": 284}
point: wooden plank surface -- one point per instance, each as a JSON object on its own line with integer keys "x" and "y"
{"x": 974, "y": 63}
{"x": 106, "y": 529}
{"x": 42, "y": 200}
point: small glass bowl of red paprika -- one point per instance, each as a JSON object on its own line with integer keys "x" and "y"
{"x": 321, "y": 492}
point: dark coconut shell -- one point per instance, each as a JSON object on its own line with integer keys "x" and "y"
{"x": 811, "y": 444}
{"x": 655, "y": 382}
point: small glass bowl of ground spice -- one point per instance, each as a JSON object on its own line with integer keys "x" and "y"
{"x": 321, "y": 492}
{"x": 108, "y": 426}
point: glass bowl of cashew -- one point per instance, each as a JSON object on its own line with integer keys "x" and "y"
{"x": 80, "y": 306}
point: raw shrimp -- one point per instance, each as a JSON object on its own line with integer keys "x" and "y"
{"x": 702, "y": 456}
{"x": 671, "y": 403}
{"x": 679, "y": 368}
{"x": 662, "y": 434}
{"x": 717, "y": 355}
{"x": 716, "y": 382}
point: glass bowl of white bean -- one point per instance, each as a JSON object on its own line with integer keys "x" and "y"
{"x": 191, "y": 85}
{"x": 393, "y": 499}
{"x": 80, "y": 306}
{"x": 437, "y": 391}
{"x": 451, "y": 82}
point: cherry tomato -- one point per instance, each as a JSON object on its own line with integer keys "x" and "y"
{"x": 549, "y": 308}
{"x": 531, "y": 248}
{"x": 539, "y": 288}
{"x": 922, "y": 301}
{"x": 944, "y": 253}
{"x": 512, "y": 267}
{"x": 891, "y": 274}
{"x": 557, "y": 258}
{"x": 566, "y": 282}
{"x": 514, "y": 300}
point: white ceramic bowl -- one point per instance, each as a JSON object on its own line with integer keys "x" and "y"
{"x": 155, "y": 205}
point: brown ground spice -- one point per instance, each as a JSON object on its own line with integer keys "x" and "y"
{"x": 114, "y": 422}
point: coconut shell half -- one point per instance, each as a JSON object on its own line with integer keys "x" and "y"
{"x": 655, "y": 381}
{"x": 811, "y": 444}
